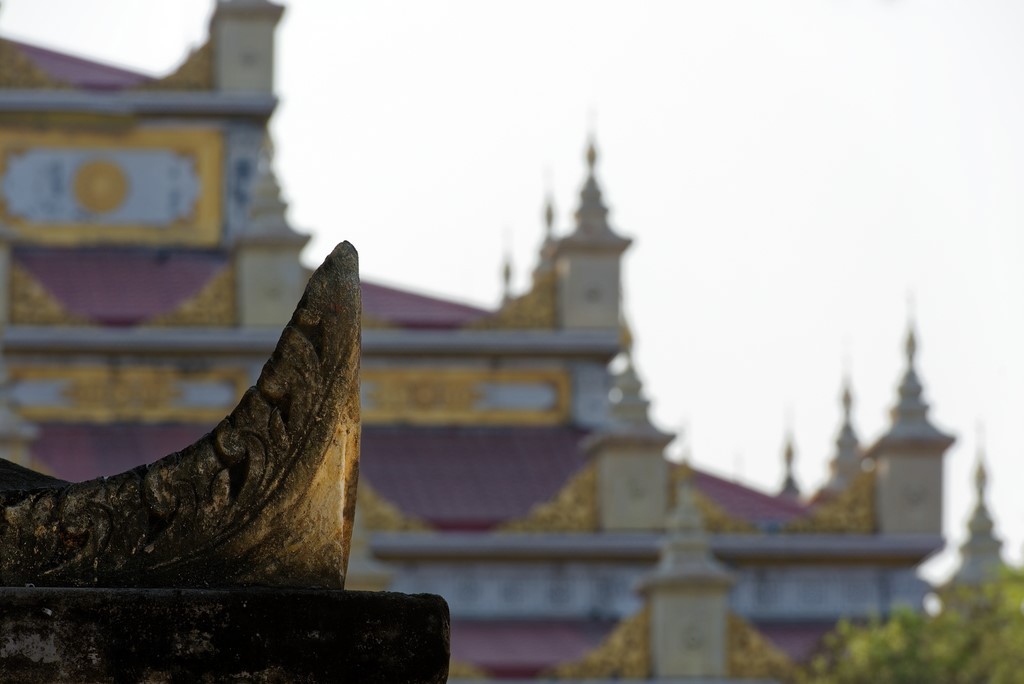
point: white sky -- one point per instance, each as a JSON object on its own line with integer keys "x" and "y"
{"x": 790, "y": 172}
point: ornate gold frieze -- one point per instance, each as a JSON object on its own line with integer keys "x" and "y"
{"x": 213, "y": 305}
{"x": 32, "y": 304}
{"x": 438, "y": 396}
{"x": 537, "y": 309}
{"x": 574, "y": 508}
{"x": 106, "y": 394}
{"x": 624, "y": 654}
{"x": 78, "y": 120}
{"x": 380, "y": 515}
{"x": 195, "y": 73}
{"x": 851, "y": 511}
{"x": 18, "y": 71}
{"x": 183, "y": 209}
{"x": 716, "y": 519}
{"x": 749, "y": 655}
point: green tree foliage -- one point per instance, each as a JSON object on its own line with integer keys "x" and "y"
{"x": 977, "y": 638}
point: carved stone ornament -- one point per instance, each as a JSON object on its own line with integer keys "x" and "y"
{"x": 266, "y": 498}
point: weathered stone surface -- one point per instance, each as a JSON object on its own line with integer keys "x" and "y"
{"x": 267, "y": 498}
{"x": 247, "y": 635}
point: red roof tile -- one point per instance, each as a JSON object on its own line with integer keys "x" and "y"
{"x": 510, "y": 649}
{"x": 121, "y": 287}
{"x": 476, "y": 478}
{"x": 76, "y": 451}
{"x": 409, "y": 310}
{"x": 80, "y": 73}
{"x": 469, "y": 478}
{"x": 746, "y": 503}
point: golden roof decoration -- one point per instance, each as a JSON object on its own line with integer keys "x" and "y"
{"x": 716, "y": 519}
{"x": 624, "y": 654}
{"x": 459, "y": 669}
{"x": 380, "y": 515}
{"x": 212, "y": 305}
{"x": 573, "y": 509}
{"x": 32, "y": 304}
{"x": 370, "y": 322}
{"x": 749, "y": 655}
{"x": 535, "y": 310}
{"x": 195, "y": 73}
{"x": 18, "y": 71}
{"x": 851, "y": 511}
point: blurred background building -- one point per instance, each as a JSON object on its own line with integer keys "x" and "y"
{"x": 509, "y": 463}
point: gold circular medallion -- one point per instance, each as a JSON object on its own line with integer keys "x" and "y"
{"x": 100, "y": 186}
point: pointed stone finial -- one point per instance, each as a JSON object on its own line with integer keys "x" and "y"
{"x": 846, "y": 463}
{"x": 591, "y": 154}
{"x": 789, "y": 486}
{"x": 981, "y": 552}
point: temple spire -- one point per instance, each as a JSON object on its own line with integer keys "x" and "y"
{"x": 908, "y": 460}
{"x": 688, "y": 595}
{"x": 588, "y": 263}
{"x": 506, "y": 277}
{"x": 790, "y": 488}
{"x": 549, "y": 218}
{"x": 846, "y": 463}
{"x": 980, "y": 553}
{"x": 629, "y": 406}
{"x": 546, "y": 263}
{"x": 592, "y": 214}
{"x": 910, "y": 413}
{"x": 267, "y": 210}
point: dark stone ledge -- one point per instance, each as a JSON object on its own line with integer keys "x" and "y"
{"x": 200, "y": 635}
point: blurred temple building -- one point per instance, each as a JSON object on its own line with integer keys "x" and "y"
{"x": 508, "y": 464}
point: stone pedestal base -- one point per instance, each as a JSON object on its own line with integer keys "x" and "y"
{"x": 195, "y": 635}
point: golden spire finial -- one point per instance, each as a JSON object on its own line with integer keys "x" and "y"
{"x": 591, "y": 154}
{"x": 549, "y": 216}
{"x": 506, "y": 268}
{"x": 980, "y": 473}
